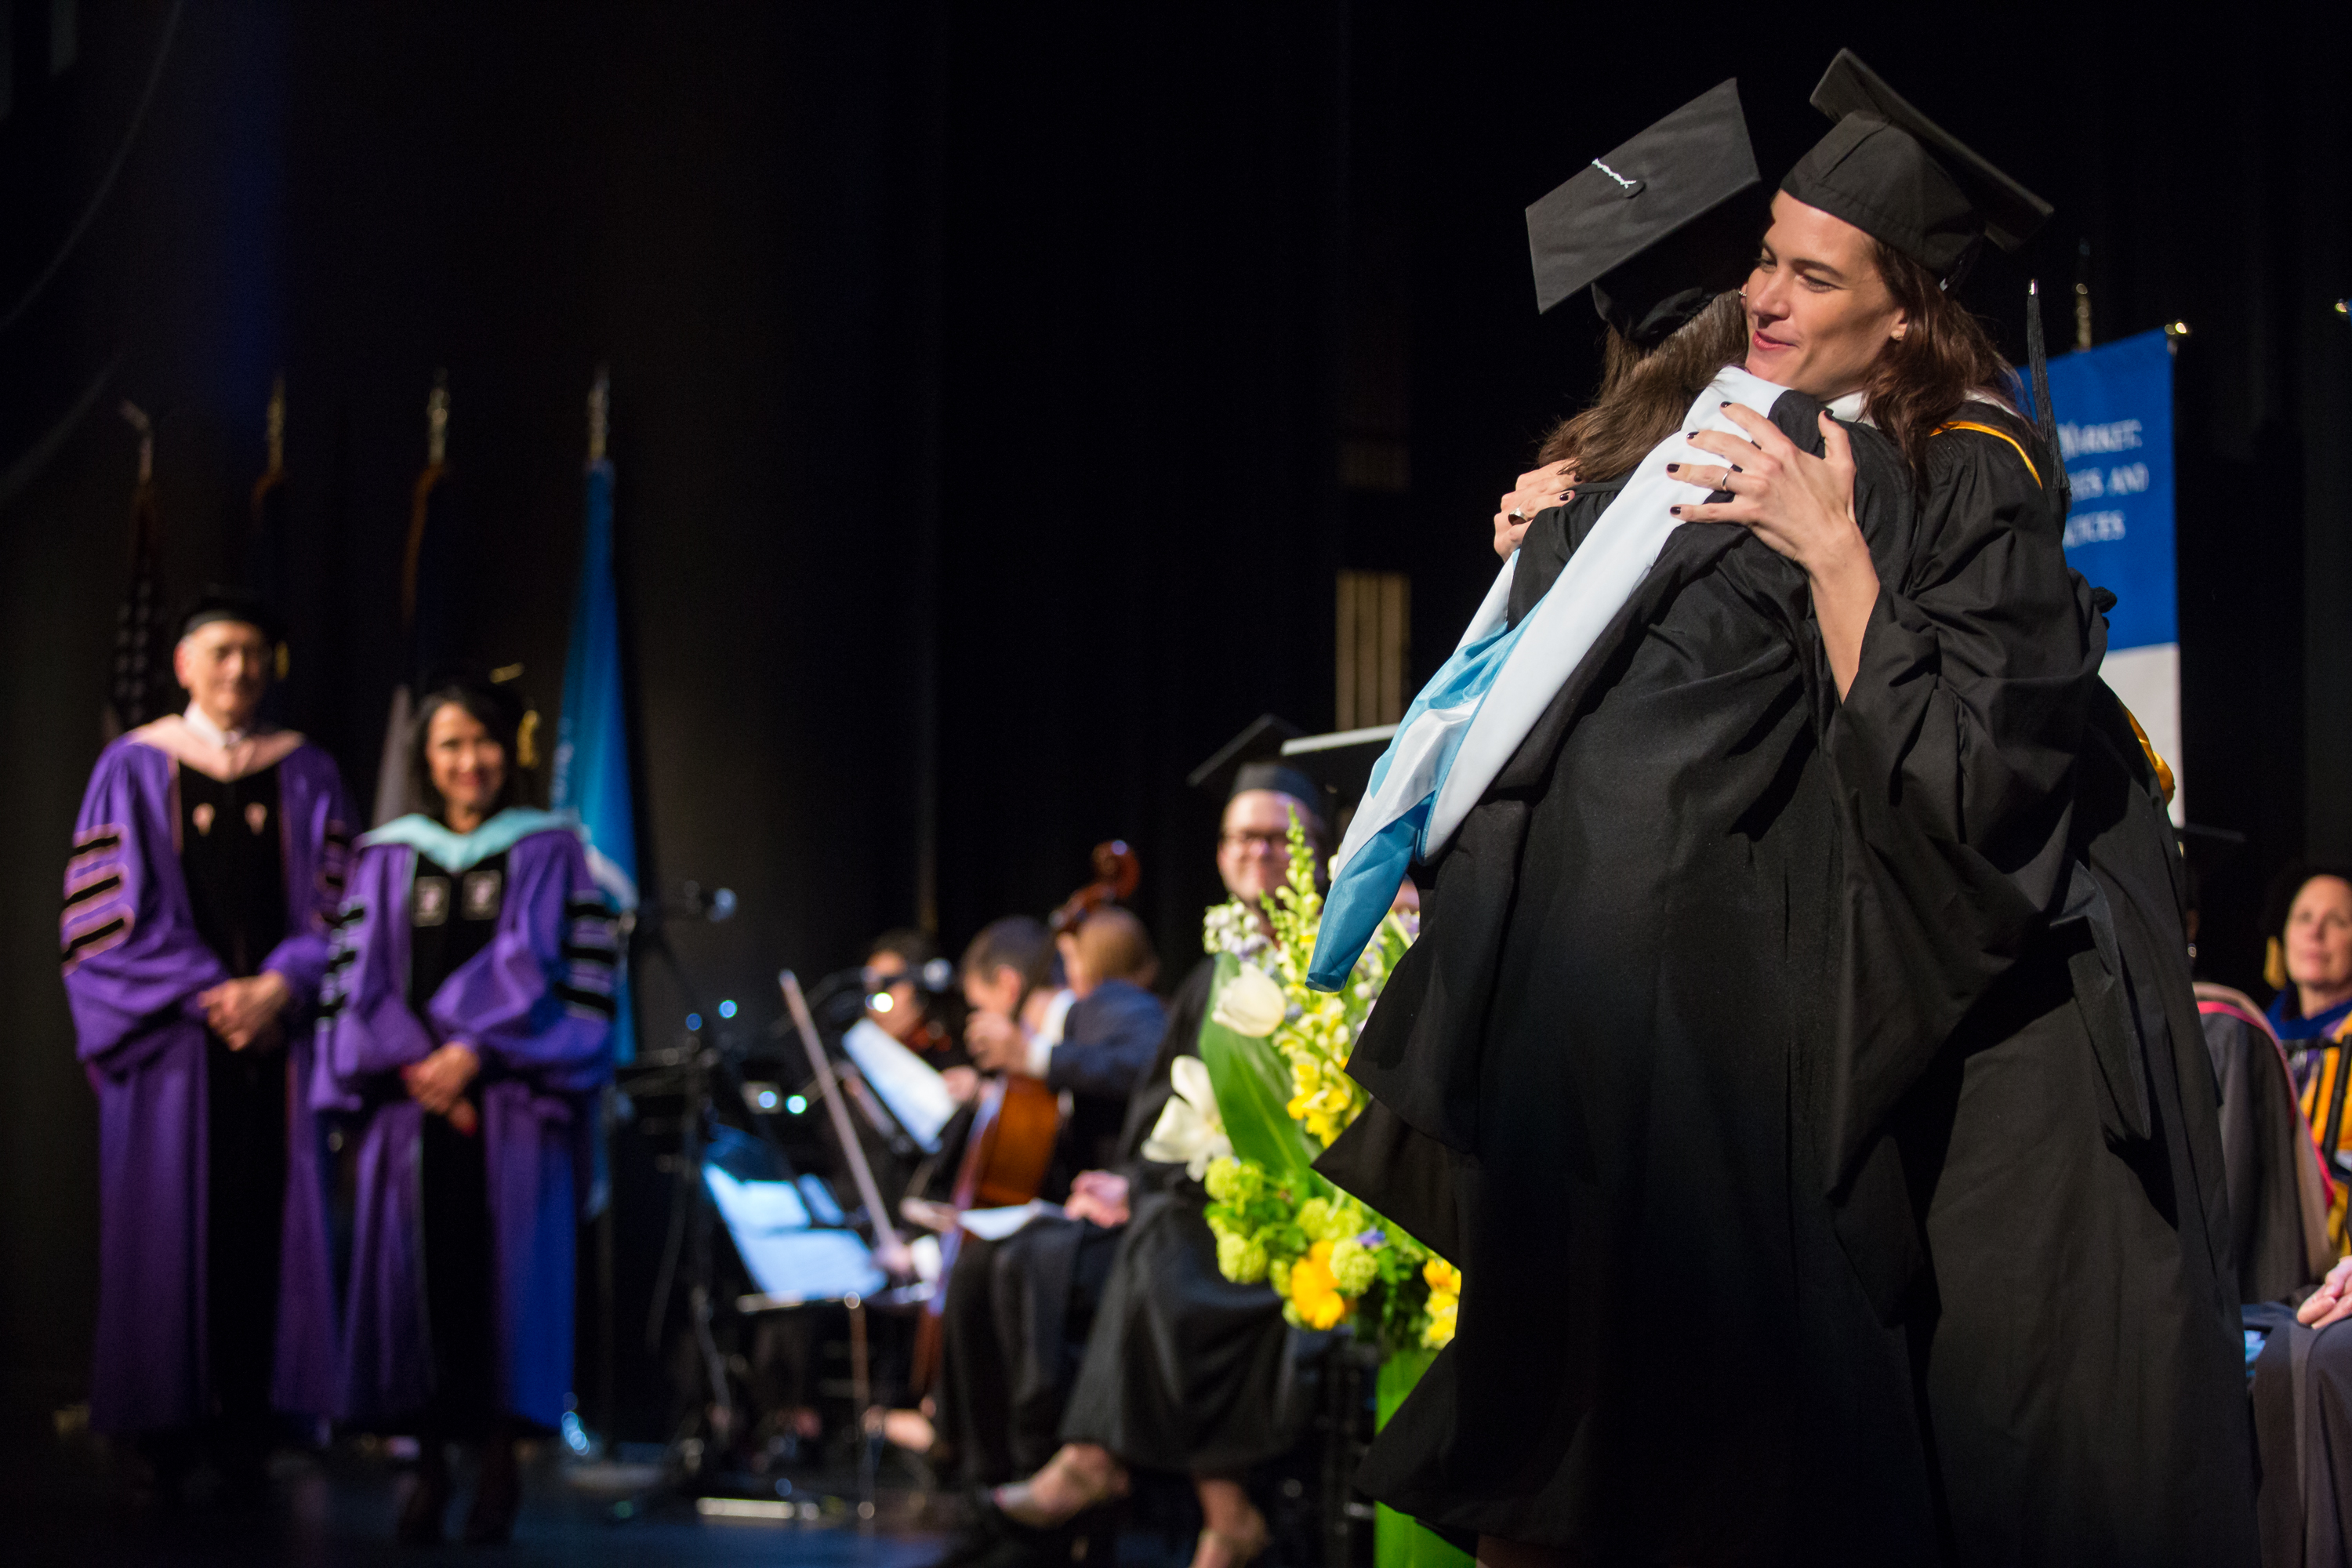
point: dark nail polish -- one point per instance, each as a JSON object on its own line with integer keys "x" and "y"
{"x": 1738, "y": 470}
{"x": 1673, "y": 511}
{"x": 1727, "y": 403}
{"x": 1673, "y": 468}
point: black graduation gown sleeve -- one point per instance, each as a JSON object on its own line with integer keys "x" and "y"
{"x": 1953, "y": 757}
{"x": 1184, "y": 1370}
{"x": 2025, "y": 1143}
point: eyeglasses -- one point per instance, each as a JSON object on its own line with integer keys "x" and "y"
{"x": 1263, "y": 843}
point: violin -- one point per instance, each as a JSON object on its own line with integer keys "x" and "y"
{"x": 1017, "y": 1119}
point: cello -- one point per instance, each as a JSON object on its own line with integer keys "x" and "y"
{"x": 1016, "y": 1119}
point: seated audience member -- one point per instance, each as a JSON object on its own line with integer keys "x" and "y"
{"x": 2312, "y": 1015}
{"x": 1184, "y": 1372}
{"x": 1107, "y": 1036}
{"x": 1004, "y": 1355}
{"x": 2302, "y": 1415}
{"x": 2302, "y": 1376}
{"x": 471, "y": 1014}
{"x": 2273, "y": 1173}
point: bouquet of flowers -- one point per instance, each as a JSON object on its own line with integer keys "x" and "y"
{"x": 1269, "y": 1093}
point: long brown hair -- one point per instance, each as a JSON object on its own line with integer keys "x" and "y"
{"x": 1645, "y": 392}
{"x": 1925, "y": 376}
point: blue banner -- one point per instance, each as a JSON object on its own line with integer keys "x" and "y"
{"x": 591, "y": 740}
{"x": 2114, "y": 407}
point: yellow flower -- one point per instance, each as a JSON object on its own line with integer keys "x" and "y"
{"x": 1440, "y": 1331}
{"x": 1444, "y": 1302}
{"x": 1313, "y": 1290}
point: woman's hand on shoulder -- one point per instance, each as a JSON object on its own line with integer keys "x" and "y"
{"x": 1548, "y": 486}
{"x": 1799, "y": 505}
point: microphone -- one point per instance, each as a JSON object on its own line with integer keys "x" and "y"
{"x": 713, "y": 904}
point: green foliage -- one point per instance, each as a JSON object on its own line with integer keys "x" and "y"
{"x": 1285, "y": 1098}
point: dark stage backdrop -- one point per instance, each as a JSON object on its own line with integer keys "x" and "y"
{"x": 995, "y": 392}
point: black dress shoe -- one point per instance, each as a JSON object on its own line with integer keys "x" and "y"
{"x": 420, "y": 1515}
{"x": 498, "y": 1498}
{"x": 996, "y": 1540}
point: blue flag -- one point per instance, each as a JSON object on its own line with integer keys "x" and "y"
{"x": 2113, "y": 409}
{"x": 592, "y": 740}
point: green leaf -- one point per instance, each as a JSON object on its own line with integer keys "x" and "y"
{"x": 1252, "y": 1085}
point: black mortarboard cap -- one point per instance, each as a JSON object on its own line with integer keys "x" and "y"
{"x": 1253, "y": 759}
{"x": 1340, "y": 762}
{"x": 1898, "y": 176}
{"x": 218, "y": 604}
{"x": 1658, "y": 227}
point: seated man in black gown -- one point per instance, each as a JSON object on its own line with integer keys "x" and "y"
{"x": 1183, "y": 1372}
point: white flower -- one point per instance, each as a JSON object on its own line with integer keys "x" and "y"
{"x": 1188, "y": 1130}
{"x": 1231, "y": 927}
{"x": 1251, "y": 1003}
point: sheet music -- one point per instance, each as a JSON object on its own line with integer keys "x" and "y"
{"x": 768, "y": 1224}
{"x": 995, "y": 1225}
{"x": 913, "y": 1089}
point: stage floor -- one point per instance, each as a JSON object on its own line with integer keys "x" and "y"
{"x": 337, "y": 1508}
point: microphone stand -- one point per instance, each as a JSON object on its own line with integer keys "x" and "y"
{"x": 696, "y": 1071}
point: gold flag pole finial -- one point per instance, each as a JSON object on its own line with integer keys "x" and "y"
{"x": 137, "y": 418}
{"x": 275, "y": 424}
{"x": 600, "y": 413}
{"x": 437, "y": 420}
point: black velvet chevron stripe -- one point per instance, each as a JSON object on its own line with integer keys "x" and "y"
{"x": 104, "y": 838}
{"x": 111, "y": 882}
{"x": 595, "y": 1001}
{"x": 94, "y": 935}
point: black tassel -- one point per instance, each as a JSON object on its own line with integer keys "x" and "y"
{"x": 2044, "y": 419}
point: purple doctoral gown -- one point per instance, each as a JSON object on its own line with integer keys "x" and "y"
{"x": 537, "y": 1003}
{"x": 134, "y": 966}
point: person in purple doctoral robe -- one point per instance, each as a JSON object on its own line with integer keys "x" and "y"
{"x": 469, "y": 1007}
{"x": 208, "y": 863}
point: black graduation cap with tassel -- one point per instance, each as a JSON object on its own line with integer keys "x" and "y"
{"x": 2045, "y": 418}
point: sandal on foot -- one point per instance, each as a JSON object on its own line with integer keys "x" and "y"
{"x": 1020, "y": 1503}
{"x": 1245, "y": 1548}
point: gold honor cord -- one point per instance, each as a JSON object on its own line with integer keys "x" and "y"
{"x": 2001, "y": 435}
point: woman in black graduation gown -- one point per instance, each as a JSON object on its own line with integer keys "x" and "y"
{"x": 1795, "y": 1020}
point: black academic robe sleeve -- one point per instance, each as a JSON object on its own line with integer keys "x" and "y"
{"x": 1953, "y": 754}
